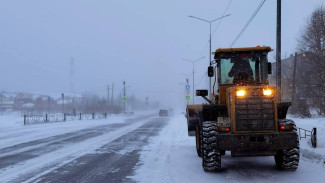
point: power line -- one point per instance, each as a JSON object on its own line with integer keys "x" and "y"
{"x": 248, "y": 22}
{"x": 203, "y": 77}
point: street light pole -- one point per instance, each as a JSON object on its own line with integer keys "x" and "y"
{"x": 124, "y": 94}
{"x": 210, "y": 52}
{"x": 193, "y": 62}
{"x": 210, "y": 60}
{"x": 187, "y": 84}
{"x": 278, "y": 51}
{"x": 193, "y": 84}
{"x": 62, "y": 101}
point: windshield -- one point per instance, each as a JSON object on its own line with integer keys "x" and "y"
{"x": 243, "y": 68}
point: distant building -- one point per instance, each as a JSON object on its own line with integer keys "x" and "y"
{"x": 6, "y": 101}
{"x": 303, "y": 81}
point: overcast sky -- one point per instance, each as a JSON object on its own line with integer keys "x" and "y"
{"x": 141, "y": 42}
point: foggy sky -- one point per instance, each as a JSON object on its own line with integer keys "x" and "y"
{"x": 141, "y": 42}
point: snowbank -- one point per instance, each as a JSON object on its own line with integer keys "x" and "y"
{"x": 316, "y": 154}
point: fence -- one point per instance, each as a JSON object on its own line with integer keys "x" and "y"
{"x": 303, "y": 133}
{"x": 43, "y": 118}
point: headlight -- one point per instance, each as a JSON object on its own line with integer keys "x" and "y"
{"x": 241, "y": 93}
{"x": 267, "y": 92}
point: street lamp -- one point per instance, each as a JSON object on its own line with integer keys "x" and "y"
{"x": 62, "y": 95}
{"x": 124, "y": 93}
{"x": 193, "y": 62}
{"x": 210, "y": 52}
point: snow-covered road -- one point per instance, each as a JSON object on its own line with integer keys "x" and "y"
{"x": 135, "y": 149}
{"x": 102, "y": 152}
{"x": 171, "y": 157}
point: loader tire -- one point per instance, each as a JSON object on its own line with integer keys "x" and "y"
{"x": 288, "y": 159}
{"x": 211, "y": 159}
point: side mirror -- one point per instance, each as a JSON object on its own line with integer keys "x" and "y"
{"x": 269, "y": 68}
{"x": 210, "y": 71}
{"x": 202, "y": 93}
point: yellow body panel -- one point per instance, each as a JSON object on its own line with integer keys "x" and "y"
{"x": 223, "y": 92}
{"x": 197, "y": 107}
{"x": 231, "y": 95}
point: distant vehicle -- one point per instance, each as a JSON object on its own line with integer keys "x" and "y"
{"x": 163, "y": 112}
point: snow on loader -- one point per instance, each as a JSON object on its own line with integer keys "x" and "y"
{"x": 243, "y": 115}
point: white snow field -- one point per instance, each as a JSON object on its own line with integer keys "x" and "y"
{"x": 171, "y": 157}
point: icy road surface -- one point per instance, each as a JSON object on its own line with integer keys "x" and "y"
{"x": 86, "y": 151}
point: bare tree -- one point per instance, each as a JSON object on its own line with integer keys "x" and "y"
{"x": 312, "y": 42}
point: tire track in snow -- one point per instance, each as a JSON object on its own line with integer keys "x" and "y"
{"x": 50, "y": 161}
{"x": 12, "y": 155}
{"x": 112, "y": 162}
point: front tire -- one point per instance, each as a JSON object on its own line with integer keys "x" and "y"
{"x": 211, "y": 160}
{"x": 288, "y": 159}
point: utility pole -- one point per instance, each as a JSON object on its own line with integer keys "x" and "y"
{"x": 124, "y": 94}
{"x": 193, "y": 84}
{"x": 112, "y": 100}
{"x": 108, "y": 88}
{"x": 193, "y": 89}
{"x": 49, "y": 100}
{"x": 62, "y": 102}
{"x": 120, "y": 96}
{"x": 278, "y": 51}
{"x": 87, "y": 105}
{"x": 210, "y": 63}
{"x": 294, "y": 79}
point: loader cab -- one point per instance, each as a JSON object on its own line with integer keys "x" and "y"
{"x": 241, "y": 67}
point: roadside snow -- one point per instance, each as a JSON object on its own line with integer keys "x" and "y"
{"x": 316, "y": 154}
{"x": 171, "y": 157}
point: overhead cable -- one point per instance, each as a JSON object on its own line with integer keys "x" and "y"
{"x": 248, "y": 22}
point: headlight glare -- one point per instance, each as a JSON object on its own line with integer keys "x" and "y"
{"x": 241, "y": 93}
{"x": 267, "y": 92}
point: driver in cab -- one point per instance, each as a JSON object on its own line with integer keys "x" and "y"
{"x": 241, "y": 71}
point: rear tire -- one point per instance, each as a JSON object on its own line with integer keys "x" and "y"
{"x": 288, "y": 159}
{"x": 211, "y": 160}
